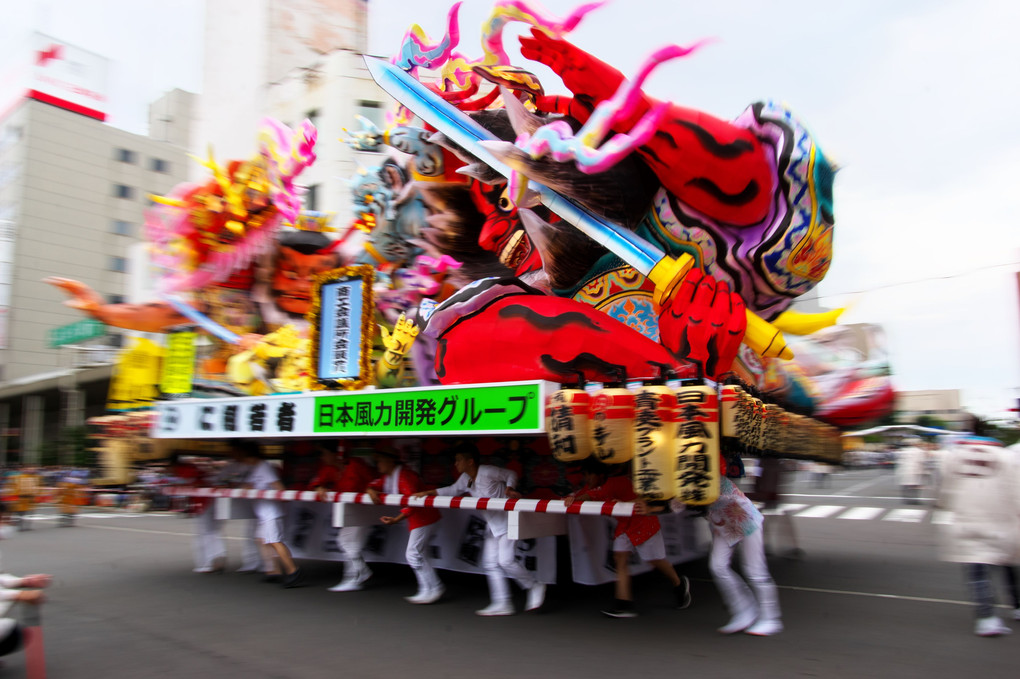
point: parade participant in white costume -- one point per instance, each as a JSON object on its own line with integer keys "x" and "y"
{"x": 421, "y": 522}
{"x": 498, "y": 558}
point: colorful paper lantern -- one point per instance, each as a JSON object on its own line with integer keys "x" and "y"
{"x": 567, "y": 421}
{"x": 611, "y": 419}
{"x": 654, "y": 431}
{"x": 771, "y": 425}
{"x": 697, "y": 445}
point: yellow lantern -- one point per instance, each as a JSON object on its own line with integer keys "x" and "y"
{"x": 729, "y": 407}
{"x": 770, "y": 428}
{"x": 566, "y": 420}
{"x": 744, "y": 419}
{"x": 697, "y": 445}
{"x": 611, "y": 417}
{"x": 655, "y": 417}
{"x": 795, "y": 435}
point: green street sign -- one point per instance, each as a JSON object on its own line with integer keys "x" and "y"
{"x": 468, "y": 409}
{"x": 85, "y": 329}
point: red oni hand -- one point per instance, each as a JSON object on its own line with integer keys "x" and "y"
{"x": 704, "y": 323}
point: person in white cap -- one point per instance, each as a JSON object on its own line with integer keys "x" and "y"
{"x": 396, "y": 478}
{"x": 498, "y": 558}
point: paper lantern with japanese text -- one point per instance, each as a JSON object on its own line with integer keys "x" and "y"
{"x": 611, "y": 419}
{"x": 771, "y": 423}
{"x": 697, "y": 446}
{"x": 757, "y": 435}
{"x": 654, "y": 431}
{"x": 567, "y": 422}
{"x": 744, "y": 422}
{"x": 729, "y": 404}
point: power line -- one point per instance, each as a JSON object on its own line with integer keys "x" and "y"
{"x": 961, "y": 274}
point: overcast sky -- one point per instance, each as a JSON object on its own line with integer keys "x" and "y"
{"x": 916, "y": 100}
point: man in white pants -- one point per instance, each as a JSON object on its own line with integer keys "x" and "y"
{"x": 736, "y": 523}
{"x": 346, "y": 475}
{"x": 396, "y": 478}
{"x": 498, "y": 558}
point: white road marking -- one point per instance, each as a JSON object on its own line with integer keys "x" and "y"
{"x": 160, "y": 532}
{"x": 782, "y": 509}
{"x": 820, "y": 511}
{"x": 876, "y": 595}
{"x": 906, "y": 515}
{"x": 861, "y": 513}
{"x": 941, "y": 517}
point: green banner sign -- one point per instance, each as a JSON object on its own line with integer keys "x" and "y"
{"x": 471, "y": 409}
{"x": 85, "y": 329}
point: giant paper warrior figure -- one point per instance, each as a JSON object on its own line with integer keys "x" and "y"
{"x": 605, "y": 231}
{"x": 236, "y": 254}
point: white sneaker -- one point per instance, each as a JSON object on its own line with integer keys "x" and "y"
{"x": 1016, "y": 614}
{"x": 765, "y": 628}
{"x": 203, "y": 569}
{"x": 427, "y": 597}
{"x": 362, "y": 577}
{"x": 353, "y": 583}
{"x": 435, "y": 595}
{"x": 346, "y": 586}
{"x": 497, "y": 608}
{"x": 536, "y": 596}
{"x": 418, "y": 598}
{"x": 739, "y": 622}
{"x": 991, "y": 627}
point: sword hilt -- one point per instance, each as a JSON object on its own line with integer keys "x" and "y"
{"x": 763, "y": 337}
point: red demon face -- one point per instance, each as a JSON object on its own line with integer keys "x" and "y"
{"x": 502, "y": 232}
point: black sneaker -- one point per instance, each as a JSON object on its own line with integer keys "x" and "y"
{"x": 683, "y": 593}
{"x": 293, "y": 580}
{"x": 621, "y": 608}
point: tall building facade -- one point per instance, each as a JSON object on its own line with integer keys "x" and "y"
{"x": 73, "y": 191}
{"x": 291, "y": 60}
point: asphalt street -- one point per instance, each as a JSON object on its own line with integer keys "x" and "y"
{"x": 869, "y": 599}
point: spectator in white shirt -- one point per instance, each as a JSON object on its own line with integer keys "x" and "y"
{"x": 269, "y": 516}
{"x": 498, "y": 557}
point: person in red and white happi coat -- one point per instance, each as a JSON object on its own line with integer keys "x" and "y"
{"x": 641, "y": 534}
{"x": 396, "y": 478}
{"x": 346, "y": 475}
{"x": 498, "y": 554}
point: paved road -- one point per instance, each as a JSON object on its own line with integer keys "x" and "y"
{"x": 869, "y": 600}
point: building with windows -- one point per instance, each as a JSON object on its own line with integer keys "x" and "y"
{"x": 73, "y": 191}
{"x": 308, "y": 63}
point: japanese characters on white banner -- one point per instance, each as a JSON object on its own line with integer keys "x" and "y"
{"x": 456, "y": 545}
{"x": 505, "y": 408}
